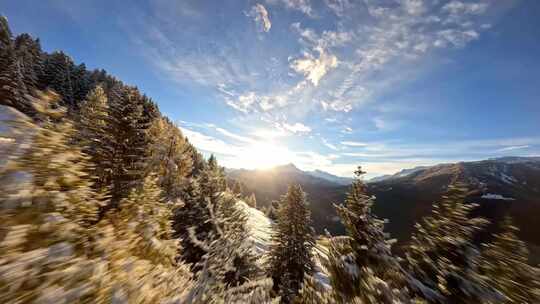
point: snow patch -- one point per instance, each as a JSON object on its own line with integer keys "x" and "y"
{"x": 497, "y": 197}
{"x": 507, "y": 178}
{"x": 260, "y": 227}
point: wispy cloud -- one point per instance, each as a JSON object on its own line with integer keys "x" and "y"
{"x": 235, "y": 136}
{"x": 260, "y": 15}
{"x": 331, "y": 66}
{"x": 296, "y": 128}
{"x": 512, "y": 148}
{"x": 457, "y": 7}
{"x": 339, "y": 7}
{"x": 303, "y": 6}
{"x": 329, "y": 145}
{"x": 354, "y": 143}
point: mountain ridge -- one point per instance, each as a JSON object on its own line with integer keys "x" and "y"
{"x": 502, "y": 186}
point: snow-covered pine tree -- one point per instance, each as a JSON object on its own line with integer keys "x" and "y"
{"x": 229, "y": 272}
{"x": 212, "y": 179}
{"x": 505, "y": 264}
{"x": 93, "y": 134}
{"x": 442, "y": 256}
{"x": 200, "y": 193}
{"x": 361, "y": 265}
{"x": 30, "y": 57}
{"x": 290, "y": 256}
{"x": 47, "y": 205}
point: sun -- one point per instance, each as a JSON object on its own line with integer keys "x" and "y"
{"x": 264, "y": 156}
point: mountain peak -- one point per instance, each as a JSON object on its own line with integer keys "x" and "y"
{"x": 287, "y": 167}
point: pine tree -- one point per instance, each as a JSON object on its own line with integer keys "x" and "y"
{"x": 290, "y": 257}
{"x": 12, "y": 86}
{"x": 130, "y": 143}
{"x": 361, "y": 265}
{"x": 170, "y": 157}
{"x": 93, "y": 125}
{"x": 443, "y": 257}
{"x": 505, "y": 263}
{"x": 81, "y": 83}
{"x": 57, "y": 75}
{"x": 30, "y": 57}
{"x": 194, "y": 215}
{"x": 212, "y": 179}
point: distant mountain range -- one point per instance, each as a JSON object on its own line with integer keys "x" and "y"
{"x": 501, "y": 186}
{"x": 315, "y": 176}
{"x": 322, "y": 188}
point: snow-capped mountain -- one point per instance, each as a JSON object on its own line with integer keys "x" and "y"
{"x": 330, "y": 177}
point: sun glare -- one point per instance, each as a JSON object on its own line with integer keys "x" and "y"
{"x": 265, "y": 156}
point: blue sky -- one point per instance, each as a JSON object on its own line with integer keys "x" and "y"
{"x": 329, "y": 84}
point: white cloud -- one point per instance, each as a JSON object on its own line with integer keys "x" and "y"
{"x": 456, "y": 37}
{"x": 458, "y": 7}
{"x": 259, "y": 13}
{"x": 209, "y": 143}
{"x": 328, "y": 144}
{"x": 251, "y": 102}
{"x": 354, "y": 143}
{"x": 339, "y": 7}
{"x": 296, "y": 128}
{"x": 512, "y": 148}
{"x": 244, "y": 102}
{"x": 234, "y": 135}
{"x": 414, "y": 7}
{"x": 314, "y": 68}
{"x": 301, "y": 5}
{"x": 347, "y": 130}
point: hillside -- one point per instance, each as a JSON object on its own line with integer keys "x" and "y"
{"x": 501, "y": 186}
{"x": 506, "y": 186}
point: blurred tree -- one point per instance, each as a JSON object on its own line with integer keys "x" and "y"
{"x": 505, "y": 263}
